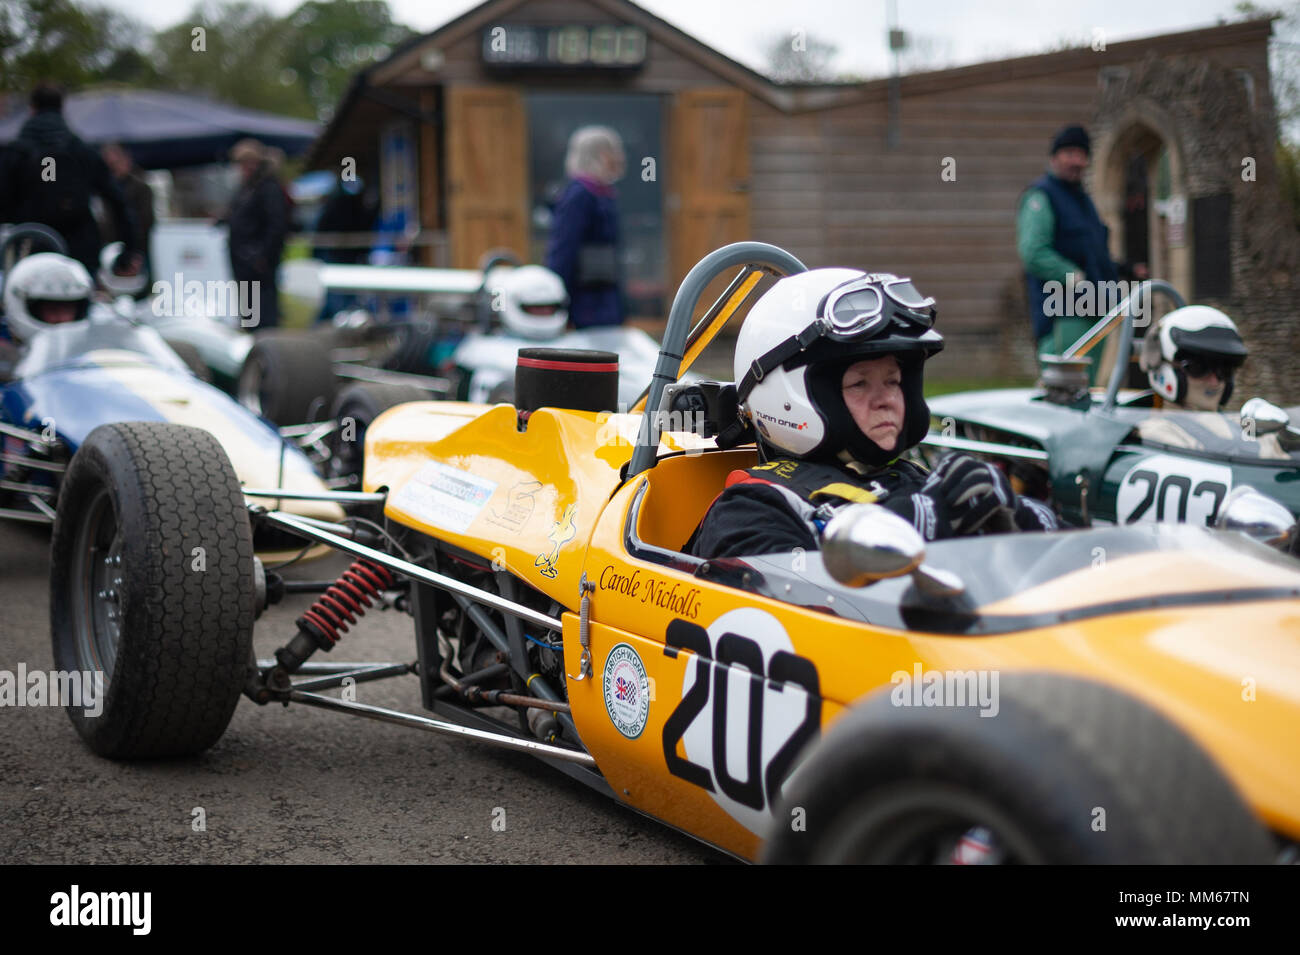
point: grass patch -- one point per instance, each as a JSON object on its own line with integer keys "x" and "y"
{"x": 948, "y": 386}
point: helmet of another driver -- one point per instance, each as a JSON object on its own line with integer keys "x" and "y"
{"x": 45, "y": 289}
{"x": 1191, "y": 343}
{"x": 531, "y": 301}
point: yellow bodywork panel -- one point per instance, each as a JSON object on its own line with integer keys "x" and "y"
{"x": 466, "y": 474}
{"x": 525, "y": 499}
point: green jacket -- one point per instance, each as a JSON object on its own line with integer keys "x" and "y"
{"x": 1035, "y": 227}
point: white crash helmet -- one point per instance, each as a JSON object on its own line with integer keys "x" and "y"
{"x": 1187, "y": 343}
{"x": 38, "y": 279}
{"x": 113, "y": 283}
{"x": 531, "y": 301}
{"x": 802, "y": 335}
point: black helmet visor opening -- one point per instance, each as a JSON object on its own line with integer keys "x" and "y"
{"x": 824, "y": 380}
{"x": 1199, "y": 365}
{"x": 36, "y": 307}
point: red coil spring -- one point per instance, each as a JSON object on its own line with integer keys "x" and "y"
{"x": 346, "y": 599}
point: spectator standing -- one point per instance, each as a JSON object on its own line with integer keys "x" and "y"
{"x": 258, "y": 221}
{"x": 1058, "y": 232}
{"x": 138, "y": 196}
{"x": 584, "y": 244}
{"x": 344, "y": 212}
{"x": 48, "y": 175}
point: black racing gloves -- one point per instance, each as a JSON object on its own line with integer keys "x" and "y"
{"x": 972, "y": 494}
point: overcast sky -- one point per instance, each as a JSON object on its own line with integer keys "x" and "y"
{"x": 953, "y": 32}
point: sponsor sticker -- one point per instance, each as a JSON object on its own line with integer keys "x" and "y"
{"x": 518, "y": 507}
{"x": 627, "y": 691}
{"x": 444, "y": 496}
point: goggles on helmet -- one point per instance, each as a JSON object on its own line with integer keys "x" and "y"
{"x": 1197, "y": 366}
{"x": 857, "y": 311}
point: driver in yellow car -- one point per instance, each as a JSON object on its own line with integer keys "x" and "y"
{"x": 829, "y": 371}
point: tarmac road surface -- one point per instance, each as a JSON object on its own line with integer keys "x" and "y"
{"x": 289, "y": 785}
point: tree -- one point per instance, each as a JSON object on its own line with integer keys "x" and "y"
{"x": 331, "y": 40}
{"x": 799, "y": 58}
{"x": 234, "y": 52}
{"x": 72, "y": 45}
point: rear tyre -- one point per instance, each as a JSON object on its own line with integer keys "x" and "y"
{"x": 151, "y": 586}
{"x": 287, "y": 378}
{"x": 355, "y": 409}
{"x": 1067, "y": 771}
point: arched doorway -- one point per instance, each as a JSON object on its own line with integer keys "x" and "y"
{"x": 1141, "y": 193}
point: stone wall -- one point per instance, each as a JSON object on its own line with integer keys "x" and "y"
{"x": 1216, "y": 121}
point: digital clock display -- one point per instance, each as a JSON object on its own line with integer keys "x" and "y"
{"x": 607, "y": 45}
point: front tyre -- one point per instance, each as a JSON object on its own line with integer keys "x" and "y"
{"x": 1066, "y": 771}
{"x": 152, "y": 588}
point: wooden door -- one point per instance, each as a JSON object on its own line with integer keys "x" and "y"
{"x": 708, "y": 200}
{"x": 487, "y": 173}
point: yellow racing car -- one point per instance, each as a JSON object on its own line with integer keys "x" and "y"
{"x": 1123, "y": 694}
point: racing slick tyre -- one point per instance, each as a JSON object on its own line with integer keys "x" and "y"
{"x": 152, "y": 586}
{"x": 355, "y": 408}
{"x": 1067, "y": 771}
{"x": 287, "y": 378}
{"x": 189, "y": 354}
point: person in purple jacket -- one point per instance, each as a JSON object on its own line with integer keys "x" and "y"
{"x": 584, "y": 246}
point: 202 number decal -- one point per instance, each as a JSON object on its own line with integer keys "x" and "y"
{"x": 771, "y": 734}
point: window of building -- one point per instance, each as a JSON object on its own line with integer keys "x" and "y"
{"x": 552, "y": 118}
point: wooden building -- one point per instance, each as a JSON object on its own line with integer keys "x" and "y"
{"x": 484, "y": 105}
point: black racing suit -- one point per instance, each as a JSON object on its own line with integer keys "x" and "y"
{"x": 785, "y": 504}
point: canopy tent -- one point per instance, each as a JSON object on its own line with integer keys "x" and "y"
{"x": 171, "y": 130}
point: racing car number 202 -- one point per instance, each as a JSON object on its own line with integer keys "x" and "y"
{"x": 749, "y": 705}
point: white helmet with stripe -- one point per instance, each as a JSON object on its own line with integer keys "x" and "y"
{"x": 1188, "y": 346}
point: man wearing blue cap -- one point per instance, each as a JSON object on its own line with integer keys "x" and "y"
{"x": 1058, "y": 233}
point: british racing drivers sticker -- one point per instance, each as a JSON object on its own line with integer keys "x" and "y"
{"x": 627, "y": 691}
{"x": 444, "y": 496}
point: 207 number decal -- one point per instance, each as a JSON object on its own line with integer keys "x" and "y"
{"x": 1166, "y": 488}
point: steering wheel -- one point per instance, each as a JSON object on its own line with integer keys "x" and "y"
{"x": 38, "y": 238}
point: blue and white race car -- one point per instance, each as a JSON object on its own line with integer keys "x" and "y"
{"x": 69, "y": 363}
